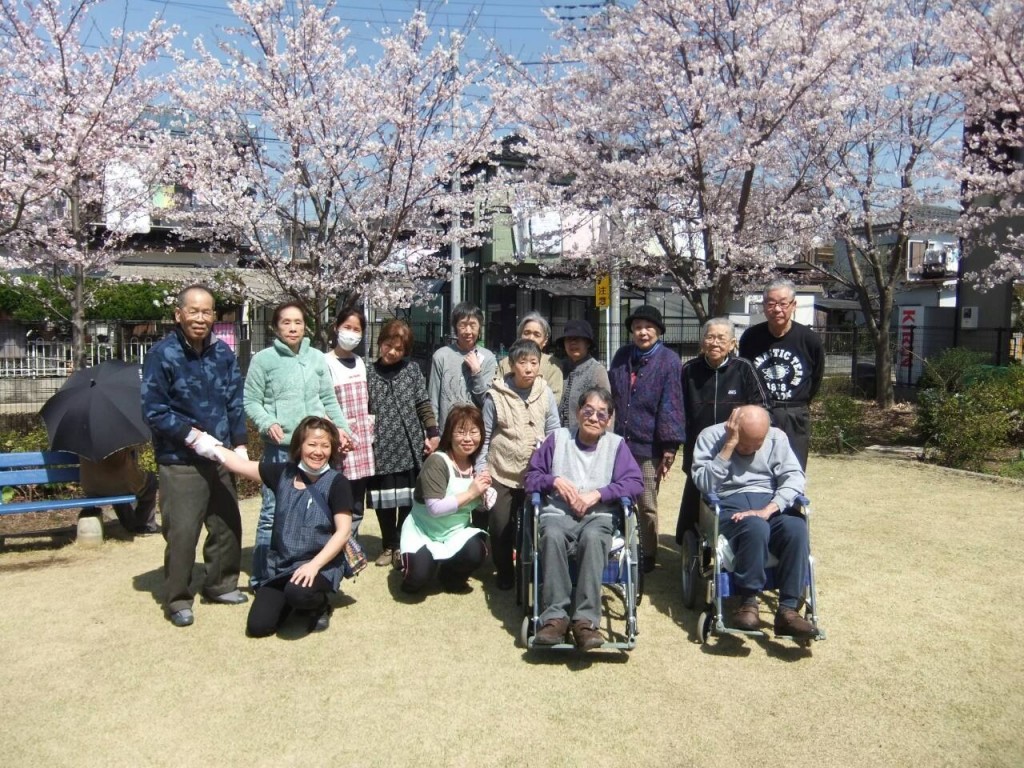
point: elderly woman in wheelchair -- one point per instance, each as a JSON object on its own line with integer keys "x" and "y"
{"x": 751, "y": 469}
{"x": 582, "y": 476}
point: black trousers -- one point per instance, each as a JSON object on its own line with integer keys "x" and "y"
{"x": 275, "y": 599}
{"x": 689, "y": 505}
{"x": 795, "y": 420}
{"x": 502, "y": 528}
{"x": 453, "y": 572}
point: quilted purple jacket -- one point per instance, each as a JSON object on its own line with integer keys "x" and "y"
{"x": 648, "y": 411}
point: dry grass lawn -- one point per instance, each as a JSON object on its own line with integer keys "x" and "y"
{"x": 922, "y": 665}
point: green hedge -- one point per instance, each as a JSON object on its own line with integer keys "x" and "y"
{"x": 970, "y": 411}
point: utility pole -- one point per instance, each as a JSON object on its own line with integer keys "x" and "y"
{"x": 456, "y": 247}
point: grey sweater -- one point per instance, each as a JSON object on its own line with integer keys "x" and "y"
{"x": 773, "y": 469}
{"x": 452, "y": 384}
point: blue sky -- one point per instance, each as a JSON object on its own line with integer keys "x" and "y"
{"x": 518, "y": 26}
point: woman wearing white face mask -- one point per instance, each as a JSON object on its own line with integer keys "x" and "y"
{"x": 349, "y": 374}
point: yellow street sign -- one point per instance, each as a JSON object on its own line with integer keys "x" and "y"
{"x": 603, "y": 292}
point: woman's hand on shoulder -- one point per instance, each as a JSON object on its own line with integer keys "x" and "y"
{"x": 430, "y": 445}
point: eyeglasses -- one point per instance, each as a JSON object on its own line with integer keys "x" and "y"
{"x": 590, "y": 413}
{"x": 461, "y": 433}
{"x": 192, "y": 314}
{"x": 778, "y": 304}
{"x": 721, "y": 339}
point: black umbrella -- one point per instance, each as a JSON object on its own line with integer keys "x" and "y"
{"x": 98, "y": 411}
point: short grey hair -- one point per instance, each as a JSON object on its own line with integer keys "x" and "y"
{"x": 718, "y": 321}
{"x": 778, "y": 284}
{"x": 599, "y": 392}
{"x": 535, "y": 317}
{"x": 184, "y": 292}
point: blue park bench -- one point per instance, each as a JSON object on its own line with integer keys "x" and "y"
{"x": 47, "y": 468}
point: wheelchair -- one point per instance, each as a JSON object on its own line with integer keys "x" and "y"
{"x": 707, "y": 577}
{"x": 622, "y": 577}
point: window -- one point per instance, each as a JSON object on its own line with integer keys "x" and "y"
{"x": 915, "y": 257}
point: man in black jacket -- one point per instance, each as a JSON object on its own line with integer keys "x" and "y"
{"x": 791, "y": 362}
{"x": 714, "y": 383}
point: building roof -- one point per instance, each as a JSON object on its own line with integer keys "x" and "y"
{"x": 259, "y": 286}
{"x": 823, "y": 302}
{"x": 922, "y": 214}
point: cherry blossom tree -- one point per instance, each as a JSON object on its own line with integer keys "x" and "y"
{"x": 678, "y": 121}
{"x": 335, "y": 170}
{"x": 892, "y": 125}
{"x": 78, "y": 154}
{"x": 989, "y": 37}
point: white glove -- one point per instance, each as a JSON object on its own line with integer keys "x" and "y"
{"x": 204, "y": 444}
{"x": 242, "y": 452}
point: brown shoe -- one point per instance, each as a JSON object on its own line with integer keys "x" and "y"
{"x": 746, "y": 618}
{"x": 552, "y": 633}
{"x": 587, "y": 638}
{"x": 385, "y": 558}
{"x": 789, "y": 622}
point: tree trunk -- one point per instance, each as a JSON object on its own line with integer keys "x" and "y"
{"x": 78, "y": 319}
{"x": 883, "y": 354}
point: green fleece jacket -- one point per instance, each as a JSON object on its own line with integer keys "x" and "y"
{"x": 282, "y": 387}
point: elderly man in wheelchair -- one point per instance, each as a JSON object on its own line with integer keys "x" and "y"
{"x": 582, "y": 476}
{"x": 750, "y": 466}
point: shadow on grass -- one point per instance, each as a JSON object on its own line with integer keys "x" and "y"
{"x": 297, "y": 625}
{"x": 663, "y": 588}
{"x": 152, "y": 581}
{"x": 573, "y": 659}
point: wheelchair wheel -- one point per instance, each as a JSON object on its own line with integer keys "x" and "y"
{"x": 638, "y": 572}
{"x": 524, "y": 632}
{"x": 691, "y": 574}
{"x": 704, "y": 626}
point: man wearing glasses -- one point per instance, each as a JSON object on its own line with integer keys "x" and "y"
{"x": 192, "y": 401}
{"x": 790, "y": 360}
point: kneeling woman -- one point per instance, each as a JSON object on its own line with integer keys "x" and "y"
{"x": 312, "y": 521}
{"x": 438, "y": 530}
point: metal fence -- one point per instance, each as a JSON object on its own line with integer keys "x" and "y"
{"x": 36, "y": 358}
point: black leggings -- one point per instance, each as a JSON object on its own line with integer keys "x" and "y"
{"x": 391, "y": 520}
{"x": 453, "y": 572}
{"x": 276, "y": 598}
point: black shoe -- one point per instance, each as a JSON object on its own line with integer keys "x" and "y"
{"x": 321, "y": 620}
{"x": 182, "y": 618}
{"x": 234, "y": 597}
{"x": 146, "y": 530}
{"x": 648, "y": 563}
{"x": 506, "y": 582}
